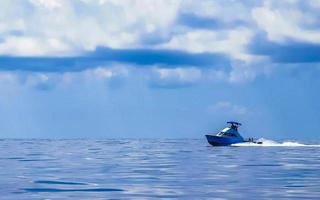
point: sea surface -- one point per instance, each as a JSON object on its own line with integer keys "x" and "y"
{"x": 157, "y": 169}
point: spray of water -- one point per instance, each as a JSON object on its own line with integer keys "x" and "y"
{"x": 271, "y": 143}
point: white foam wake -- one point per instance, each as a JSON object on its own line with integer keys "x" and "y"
{"x": 271, "y": 143}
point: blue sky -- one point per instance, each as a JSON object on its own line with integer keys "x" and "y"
{"x": 161, "y": 69}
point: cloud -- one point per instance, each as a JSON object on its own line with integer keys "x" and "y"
{"x": 68, "y": 28}
{"x": 288, "y": 52}
{"x": 52, "y": 4}
{"x": 287, "y": 20}
{"x": 229, "y": 42}
{"x": 203, "y": 22}
{"x": 27, "y": 46}
{"x": 166, "y": 57}
{"x": 108, "y": 73}
{"x": 34, "y": 80}
{"x": 238, "y": 73}
{"x": 242, "y": 72}
{"x": 222, "y": 10}
{"x": 8, "y": 78}
{"x": 72, "y": 36}
{"x": 226, "y": 107}
{"x": 111, "y": 76}
{"x": 40, "y": 81}
{"x": 77, "y": 26}
{"x": 176, "y": 77}
{"x": 104, "y": 56}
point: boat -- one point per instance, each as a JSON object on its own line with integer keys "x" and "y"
{"x": 229, "y": 136}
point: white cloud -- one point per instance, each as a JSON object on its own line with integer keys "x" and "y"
{"x": 176, "y": 76}
{"x": 213, "y": 75}
{"x": 7, "y": 76}
{"x": 25, "y": 46}
{"x": 51, "y": 80}
{"x": 42, "y": 81}
{"x": 51, "y": 4}
{"x": 37, "y": 80}
{"x": 286, "y": 21}
{"x": 67, "y": 27}
{"x": 231, "y": 42}
{"x": 106, "y": 73}
{"x": 59, "y": 27}
{"x": 242, "y": 72}
{"x": 225, "y": 107}
{"x": 314, "y": 3}
{"x": 223, "y": 10}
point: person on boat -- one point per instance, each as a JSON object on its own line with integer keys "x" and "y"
{"x": 234, "y": 127}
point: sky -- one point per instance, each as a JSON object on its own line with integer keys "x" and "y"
{"x": 159, "y": 69}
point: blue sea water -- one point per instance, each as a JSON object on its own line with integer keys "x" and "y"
{"x": 156, "y": 169}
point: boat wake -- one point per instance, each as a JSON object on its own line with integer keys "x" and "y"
{"x": 271, "y": 143}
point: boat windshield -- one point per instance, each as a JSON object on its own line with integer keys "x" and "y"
{"x": 227, "y": 134}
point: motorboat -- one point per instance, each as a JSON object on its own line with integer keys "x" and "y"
{"x": 228, "y": 136}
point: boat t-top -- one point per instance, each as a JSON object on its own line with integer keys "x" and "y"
{"x": 228, "y": 136}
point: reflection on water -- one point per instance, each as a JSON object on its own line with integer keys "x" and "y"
{"x": 144, "y": 169}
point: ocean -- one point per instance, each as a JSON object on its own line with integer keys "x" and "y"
{"x": 157, "y": 169}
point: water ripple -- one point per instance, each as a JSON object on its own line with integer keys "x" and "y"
{"x": 59, "y": 182}
{"x": 152, "y": 169}
{"x": 71, "y": 190}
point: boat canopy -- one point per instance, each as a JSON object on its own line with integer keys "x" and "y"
{"x": 234, "y": 123}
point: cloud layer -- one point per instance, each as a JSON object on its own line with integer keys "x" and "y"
{"x": 70, "y": 36}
